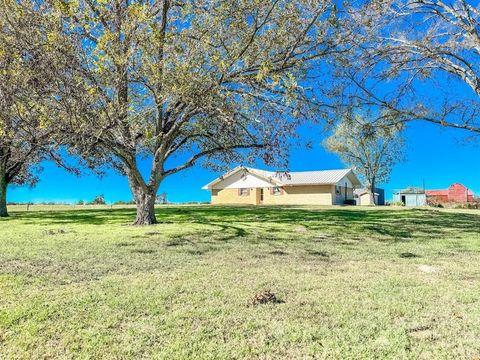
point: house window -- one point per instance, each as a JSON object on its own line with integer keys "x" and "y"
{"x": 243, "y": 192}
{"x": 338, "y": 190}
{"x": 277, "y": 190}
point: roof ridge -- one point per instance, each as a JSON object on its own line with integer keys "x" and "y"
{"x": 305, "y": 171}
{"x": 286, "y": 177}
{"x": 302, "y": 171}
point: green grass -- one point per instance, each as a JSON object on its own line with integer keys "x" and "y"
{"x": 354, "y": 283}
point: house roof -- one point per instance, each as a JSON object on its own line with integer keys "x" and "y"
{"x": 284, "y": 178}
{"x": 360, "y": 192}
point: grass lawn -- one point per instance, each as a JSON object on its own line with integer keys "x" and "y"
{"x": 353, "y": 283}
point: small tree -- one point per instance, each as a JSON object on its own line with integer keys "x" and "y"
{"x": 372, "y": 147}
{"x": 162, "y": 198}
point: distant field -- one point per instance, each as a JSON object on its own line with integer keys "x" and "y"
{"x": 351, "y": 283}
{"x": 60, "y": 207}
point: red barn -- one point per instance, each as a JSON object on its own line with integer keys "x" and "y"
{"x": 456, "y": 193}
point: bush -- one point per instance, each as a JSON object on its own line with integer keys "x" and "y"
{"x": 122, "y": 202}
{"x": 434, "y": 203}
{"x": 99, "y": 200}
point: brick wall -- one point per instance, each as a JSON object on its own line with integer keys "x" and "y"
{"x": 231, "y": 196}
{"x": 291, "y": 195}
{"x": 301, "y": 195}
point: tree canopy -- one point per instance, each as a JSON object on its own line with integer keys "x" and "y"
{"x": 183, "y": 82}
{"x": 418, "y": 59}
{"x": 370, "y": 145}
{"x": 27, "y": 80}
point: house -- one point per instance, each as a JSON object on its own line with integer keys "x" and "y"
{"x": 363, "y": 198}
{"x": 244, "y": 185}
{"x": 456, "y": 193}
{"x": 410, "y": 197}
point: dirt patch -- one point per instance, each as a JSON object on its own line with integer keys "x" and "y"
{"x": 265, "y": 297}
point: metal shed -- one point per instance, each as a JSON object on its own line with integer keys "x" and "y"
{"x": 410, "y": 197}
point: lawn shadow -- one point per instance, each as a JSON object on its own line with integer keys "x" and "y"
{"x": 233, "y": 222}
{"x": 86, "y": 217}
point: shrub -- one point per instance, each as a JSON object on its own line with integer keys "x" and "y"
{"x": 434, "y": 203}
{"x": 99, "y": 200}
{"x": 122, "y": 202}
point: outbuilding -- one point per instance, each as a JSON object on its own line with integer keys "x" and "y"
{"x": 410, "y": 197}
{"x": 456, "y": 193}
{"x": 363, "y": 198}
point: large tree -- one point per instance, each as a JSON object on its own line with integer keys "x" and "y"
{"x": 419, "y": 59}
{"x": 179, "y": 82}
{"x": 26, "y": 82}
{"x": 370, "y": 145}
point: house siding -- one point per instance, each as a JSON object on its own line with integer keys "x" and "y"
{"x": 291, "y": 195}
{"x": 230, "y": 196}
{"x": 411, "y": 199}
{"x": 339, "y": 199}
{"x": 365, "y": 199}
{"x": 301, "y": 195}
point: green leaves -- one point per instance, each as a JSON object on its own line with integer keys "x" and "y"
{"x": 219, "y": 81}
{"x": 371, "y": 145}
{"x": 28, "y": 80}
{"x": 222, "y": 61}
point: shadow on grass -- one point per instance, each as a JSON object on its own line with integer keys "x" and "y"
{"x": 234, "y": 222}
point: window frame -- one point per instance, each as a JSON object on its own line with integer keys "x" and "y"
{"x": 243, "y": 192}
{"x": 277, "y": 191}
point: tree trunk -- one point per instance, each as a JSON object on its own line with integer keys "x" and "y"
{"x": 145, "y": 209}
{"x": 3, "y": 195}
{"x": 372, "y": 192}
{"x": 145, "y": 201}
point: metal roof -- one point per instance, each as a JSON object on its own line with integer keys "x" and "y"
{"x": 409, "y": 191}
{"x": 362, "y": 191}
{"x": 285, "y": 178}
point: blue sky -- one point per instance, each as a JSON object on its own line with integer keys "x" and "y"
{"x": 434, "y": 155}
